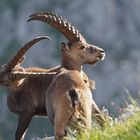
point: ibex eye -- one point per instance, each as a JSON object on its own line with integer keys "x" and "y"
{"x": 82, "y": 47}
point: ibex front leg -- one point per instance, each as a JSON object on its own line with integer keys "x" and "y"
{"x": 60, "y": 121}
{"x": 59, "y": 129}
{"x": 97, "y": 114}
{"x": 24, "y": 121}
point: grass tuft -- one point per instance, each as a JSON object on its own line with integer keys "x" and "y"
{"x": 125, "y": 127}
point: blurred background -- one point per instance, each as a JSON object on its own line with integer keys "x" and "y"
{"x": 113, "y": 25}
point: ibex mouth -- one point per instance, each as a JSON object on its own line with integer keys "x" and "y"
{"x": 101, "y": 57}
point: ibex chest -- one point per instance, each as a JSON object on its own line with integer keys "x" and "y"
{"x": 73, "y": 78}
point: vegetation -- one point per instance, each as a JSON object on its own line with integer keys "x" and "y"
{"x": 125, "y": 127}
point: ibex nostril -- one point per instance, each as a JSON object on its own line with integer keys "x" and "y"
{"x": 102, "y": 51}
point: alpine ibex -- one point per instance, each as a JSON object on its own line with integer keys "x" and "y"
{"x": 27, "y": 87}
{"x": 26, "y": 96}
{"x": 69, "y": 98}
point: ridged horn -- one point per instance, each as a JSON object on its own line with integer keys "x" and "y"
{"x": 21, "y": 75}
{"x": 62, "y": 25}
{"x": 20, "y": 53}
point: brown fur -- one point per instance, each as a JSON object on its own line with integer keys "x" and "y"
{"x": 69, "y": 98}
{"x": 66, "y": 111}
{"x": 27, "y": 96}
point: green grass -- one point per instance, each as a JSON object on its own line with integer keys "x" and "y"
{"x": 125, "y": 128}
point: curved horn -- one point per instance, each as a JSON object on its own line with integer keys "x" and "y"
{"x": 20, "y": 75}
{"x": 20, "y": 53}
{"x": 62, "y": 25}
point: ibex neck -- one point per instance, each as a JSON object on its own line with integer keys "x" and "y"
{"x": 70, "y": 64}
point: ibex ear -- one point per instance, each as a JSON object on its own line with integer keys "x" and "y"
{"x": 64, "y": 46}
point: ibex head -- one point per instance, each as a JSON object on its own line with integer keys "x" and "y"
{"x": 77, "y": 47}
{"x": 83, "y": 53}
{"x": 5, "y": 71}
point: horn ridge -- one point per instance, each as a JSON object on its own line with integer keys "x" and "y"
{"x": 62, "y": 25}
{"x": 20, "y": 53}
{"x": 20, "y": 75}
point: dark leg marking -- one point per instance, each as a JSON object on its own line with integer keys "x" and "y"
{"x": 74, "y": 97}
